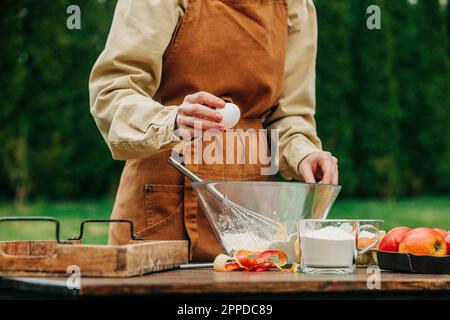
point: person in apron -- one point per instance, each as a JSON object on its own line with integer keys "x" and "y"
{"x": 170, "y": 64}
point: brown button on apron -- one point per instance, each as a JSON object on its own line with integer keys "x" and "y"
{"x": 234, "y": 49}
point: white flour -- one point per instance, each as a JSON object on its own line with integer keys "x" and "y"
{"x": 244, "y": 241}
{"x": 330, "y": 233}
{"x": 330, "y": 247}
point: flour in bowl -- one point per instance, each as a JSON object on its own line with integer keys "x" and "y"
{"x": 244, "y": 241}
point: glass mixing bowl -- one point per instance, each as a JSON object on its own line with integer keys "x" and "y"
{"x": 249, "y": 215}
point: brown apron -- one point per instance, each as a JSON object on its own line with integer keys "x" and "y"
{"x": 234, "y": 49}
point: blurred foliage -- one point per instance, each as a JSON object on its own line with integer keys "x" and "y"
{"x": 383, "y": 102}
{"x": 50, "y": 146}
{"x": 382, "y": 98}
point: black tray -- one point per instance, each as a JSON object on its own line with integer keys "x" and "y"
{"x": 405, "y": 262}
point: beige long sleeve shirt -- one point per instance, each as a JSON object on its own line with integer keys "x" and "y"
{"x": 128, "y": 73}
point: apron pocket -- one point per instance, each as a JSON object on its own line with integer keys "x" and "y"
{"x": 163, "y": 212}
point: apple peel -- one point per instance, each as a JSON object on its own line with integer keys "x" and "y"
{"x": 246, "y": 260}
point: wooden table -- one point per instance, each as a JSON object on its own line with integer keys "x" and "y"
{"x": 207, "y": 283}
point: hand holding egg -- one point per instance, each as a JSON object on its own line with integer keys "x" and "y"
{"x": 231, "y": 115}
{"x": 199, "y": 112}
{"x": 203, "y": 111}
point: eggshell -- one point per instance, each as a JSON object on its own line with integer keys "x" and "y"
{"x": 231, "y": 115}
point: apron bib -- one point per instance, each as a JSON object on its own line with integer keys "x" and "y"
{"x": 234, "y": 49}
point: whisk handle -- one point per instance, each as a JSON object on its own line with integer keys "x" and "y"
{"x": 195, "y": 178}
{"x": 184, "y": 170}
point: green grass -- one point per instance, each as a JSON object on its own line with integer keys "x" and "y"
{"x": 426, "y": 211}
{"x": 68, "y": 213}
{"x": 419, "y": 212}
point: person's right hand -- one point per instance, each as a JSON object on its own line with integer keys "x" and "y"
{"x": 321, "y": 167}
{"x": 196, "y": 111}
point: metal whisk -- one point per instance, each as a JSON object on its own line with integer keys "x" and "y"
{"x": 266, "y": 226}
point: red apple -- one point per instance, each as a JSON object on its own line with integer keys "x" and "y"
{"x": 423, "y": 241}
{"x": 393, "y": 238}
{"x": 382, "y": 234}
{"x": 447, "y": 241}
{"x": 422, "y": 229}
{"x": 442, "y": 232}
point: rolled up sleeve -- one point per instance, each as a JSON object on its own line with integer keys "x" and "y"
{"x": 128, "y": 73}
{"x": 294, "y": 116}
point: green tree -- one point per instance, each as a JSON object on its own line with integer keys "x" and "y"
{"x": 382, "y": 98}
{"x": 406, "y": 46}
{"x": 70, "y": 148}
{"x": 448, "y": 27}
{"x": 432, "y": 130}
{"x": 15, "y": 120}
{"x": 50, "y": 144}
{"x": 334, "y": 85}
{"x": 374, "y": 108}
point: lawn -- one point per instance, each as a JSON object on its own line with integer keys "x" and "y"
{"x": 418, "y": 212}
{"x": 68, "y": 213}
{"x": 425, "y": 211}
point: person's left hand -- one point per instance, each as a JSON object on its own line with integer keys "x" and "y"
{"x": 321, "y": 167}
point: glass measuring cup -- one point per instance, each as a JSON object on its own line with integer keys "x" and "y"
{"x": 330, "y": 246}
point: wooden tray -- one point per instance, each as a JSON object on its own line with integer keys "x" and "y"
{"x": 56, "y": 258}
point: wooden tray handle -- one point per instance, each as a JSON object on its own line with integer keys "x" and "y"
{"x": 32, "y": 219}
{"x": 36, "y": 219}
{"x": 129, "y": 222}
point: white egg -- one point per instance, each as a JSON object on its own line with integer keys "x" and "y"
{"x": 231, "y": 115}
